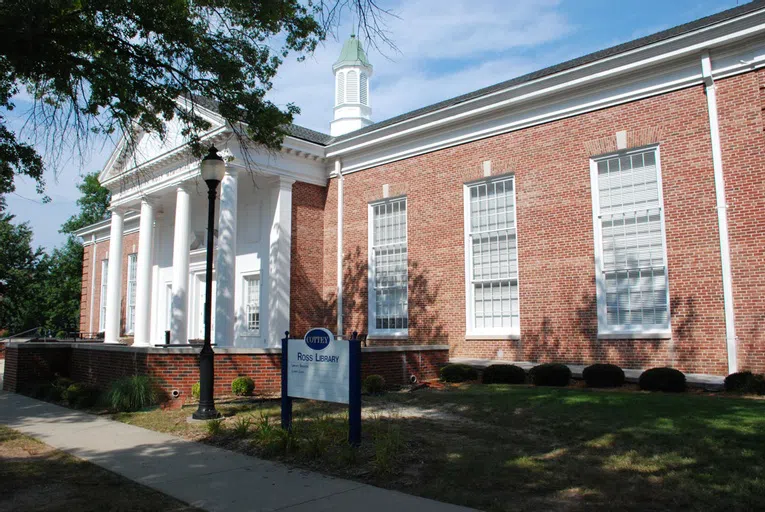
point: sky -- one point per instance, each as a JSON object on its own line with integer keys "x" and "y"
{"x": 443, "y": 49}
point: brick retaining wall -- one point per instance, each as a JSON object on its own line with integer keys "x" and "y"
{"x": 177, "y": 368}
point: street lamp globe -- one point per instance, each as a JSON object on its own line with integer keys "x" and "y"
{"x": 213, "y": 166}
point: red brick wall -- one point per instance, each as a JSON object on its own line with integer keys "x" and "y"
{"x": 180, "y": 371}
{"x": 740, "y": 101}
{"x": 308, "y": 307}
{"x": 555, "y": 237}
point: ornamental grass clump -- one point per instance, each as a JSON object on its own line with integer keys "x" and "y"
{"x": 242, "y": 386}
{"x": 662, "y": 379}
{"x": 550, "y": 374}
{"x": 504, "y": 374}
{"x": 81, "y": 396}
{"x": 603, "y": 376}
{"x": 457, "y": 372}
{"x": 130, "y": 394}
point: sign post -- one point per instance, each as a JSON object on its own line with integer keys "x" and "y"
{"x": 318, "y": 367}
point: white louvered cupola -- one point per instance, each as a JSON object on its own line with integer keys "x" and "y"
{"x": 352, "y": 73}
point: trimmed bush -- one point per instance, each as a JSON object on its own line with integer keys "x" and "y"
{"x": 504, "y": 374}
{"x": 131, "y": 394}
{"x": 195, "y": 390}
{"x": 374, "y": 384}
{"x": 81, "y": 396}
{"x": 745, "y": 382}
{"x": 550, "y": 374}
{"x": 242, "y": 386}
{"x": 458, "y": 372}
{"x": 662, "y": 379}
{"x": 603, "y": 376}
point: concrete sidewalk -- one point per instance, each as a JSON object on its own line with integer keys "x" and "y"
{"x": 201, "y": 475}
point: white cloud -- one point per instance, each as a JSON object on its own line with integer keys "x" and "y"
{"x": 446, "y": 48}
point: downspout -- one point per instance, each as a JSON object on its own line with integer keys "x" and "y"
{"x": 92, "y": 282}
{"x": 339, "y": 174}
{"x": 722, "y": 213}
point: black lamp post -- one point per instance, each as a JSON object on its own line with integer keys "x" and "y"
{"x": 213, "y": 169}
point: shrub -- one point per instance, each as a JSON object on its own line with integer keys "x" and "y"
{"x": 745, "y": 382}
{"x": 504, "y": 374}
{"x": 603, "y": 376}
{"x": 242, "y": 386}
{"x": 550, "y": 374}
{"x": 662, "y": 379}
{"x": 374, "y": 384}
{"x": 131, "y": 394}
{"x": 81, "y": 396}
{"x": 195, "y": 390}
{"x": 458, "y": 373}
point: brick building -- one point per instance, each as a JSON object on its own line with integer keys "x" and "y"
{"x": 607, "y": 209}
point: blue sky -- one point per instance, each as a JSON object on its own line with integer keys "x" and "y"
{"x": 445, "y": 48}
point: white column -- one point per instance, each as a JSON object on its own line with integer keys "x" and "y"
{"x": 279, "y": 262}
{"x": 93, "y": 271}
{"x": 143, "y": 275}
{"x": 114, "y": 280}
{"x": 180, "y": 301}
{"x": 225, "y": 262}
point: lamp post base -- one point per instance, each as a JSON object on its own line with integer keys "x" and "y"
{"x": 206, "y": 410}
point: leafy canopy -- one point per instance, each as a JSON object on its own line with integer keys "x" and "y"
{"x": 93, "y": 203}
{"x": 100, "y": 66}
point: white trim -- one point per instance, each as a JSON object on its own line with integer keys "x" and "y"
{"x": 372, "y": 330}
{"x": 496, "y": 333}
{"x": 625, "y": 332}
{"x": 722, "y": 215}
{"x": 246, "y": 332}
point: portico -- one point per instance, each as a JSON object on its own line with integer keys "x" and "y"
{"x": 155, "y": 284}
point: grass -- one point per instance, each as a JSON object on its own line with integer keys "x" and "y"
{"x": 35, "y": 476}
{"x": 499, "y": 447}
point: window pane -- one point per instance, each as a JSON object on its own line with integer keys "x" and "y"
{"x": 494, "y": 255}
{"x": 252, "y": 303}
{"x": 633, "y": 263}
{"x": 389, "y": 251}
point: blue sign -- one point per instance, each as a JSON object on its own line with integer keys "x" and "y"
{"x": 318, "y": 339}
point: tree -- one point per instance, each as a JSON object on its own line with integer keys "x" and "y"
{"x": 18, "y": 275}
{"x": 100, "y": 66}
{"x": 94, "y": 204}
{"x": 60, "y": 286}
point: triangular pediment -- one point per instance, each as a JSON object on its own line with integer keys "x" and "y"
{"x": 149, "y": 148}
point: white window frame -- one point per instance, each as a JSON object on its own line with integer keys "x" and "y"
{"x": 471, "y": 331}
{"x": 371, "y": 296}
{"x": 625, "y": 331}
{"x": 246, "y": 331}
{"x": 104, "y": 291}
{"x": 132, "y": 271}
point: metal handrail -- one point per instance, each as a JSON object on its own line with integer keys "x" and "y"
{"x": 34, "y": 329}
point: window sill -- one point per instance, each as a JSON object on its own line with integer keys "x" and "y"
{"x": 504, "y": 336}
{"x": 401, "y": 336}
{"x": 659, "y": 335}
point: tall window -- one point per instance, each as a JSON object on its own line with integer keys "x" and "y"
{"x": 388, "y": 300}
{"x": 104, "y": 279}
{"x": 252, "y": 304}
{"x": 131, "y": 289}
{"x": 492, "y": 257}
{"x": 629, "y": 241}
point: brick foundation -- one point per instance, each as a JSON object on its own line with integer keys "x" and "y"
{"x": 178, "y": 368}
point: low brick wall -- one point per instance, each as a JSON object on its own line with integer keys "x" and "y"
{"x": 177, "y": 368}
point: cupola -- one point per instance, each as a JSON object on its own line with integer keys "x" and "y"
{"x": 352, "y": 73}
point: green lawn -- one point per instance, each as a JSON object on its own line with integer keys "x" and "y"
{"x": 520, "y": 448}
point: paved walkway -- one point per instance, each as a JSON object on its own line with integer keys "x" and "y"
{"x": 204, "y": 476}
{"x": 709, "y": 382}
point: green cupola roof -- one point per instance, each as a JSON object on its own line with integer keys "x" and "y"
{"x": 352, "y": 54}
